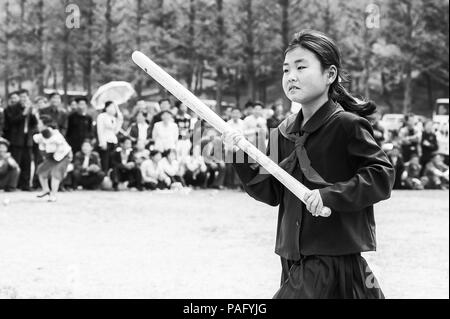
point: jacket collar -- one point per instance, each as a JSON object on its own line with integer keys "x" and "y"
{"x": 316, "y": 121}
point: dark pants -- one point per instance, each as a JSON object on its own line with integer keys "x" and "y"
{"x": 105, "y": 156}
{"x": 22, "y": 155}
{"x": 195, "y": 180}
{"x": 88, "y": 181}
{"x": 328, "y": 277}
{"x": 9, "y": 180}
{"x": 216, "y": 175}
{"x": 152, "y": 186}
{"x": 132, "y": 176}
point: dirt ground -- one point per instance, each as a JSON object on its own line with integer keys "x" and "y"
{"x": 203, "y": 244}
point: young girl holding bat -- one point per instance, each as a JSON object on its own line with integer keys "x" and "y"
{"x": 329, "y": 147}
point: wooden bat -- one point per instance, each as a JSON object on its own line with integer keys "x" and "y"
{"x": 194, "y": 103}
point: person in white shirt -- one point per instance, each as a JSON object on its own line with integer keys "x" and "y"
{"x": 195, "y": 168}
{"x": 109, "y": 123}
{"x": 171, "y": 167}
{"x": 165, "y": 133}
{"x": 153, "y": 176}
{"x": 255, "y": 126}
{"x": 58, "y": 155}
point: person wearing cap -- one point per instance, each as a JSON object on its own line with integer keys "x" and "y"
{"x": 9, "y": 170}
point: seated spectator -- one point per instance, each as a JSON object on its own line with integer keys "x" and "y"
{"x": 165, "y": 133}
{"x": 140, "y": 152}
{"x": 172, "y": 168}
{"x": 139, "y": 129}
{"x": 153, "y": 176}
{"x": 124, "y": 167}
{"x": 437, "y": 173}
{"x": 397, "y": 161}
{"x": 195, "y": 170}
{"x": 57, "y": 157}
{"x": 411, "y": 176}
{"x": 87, "y": 171}
{"x": 9, "y": 169}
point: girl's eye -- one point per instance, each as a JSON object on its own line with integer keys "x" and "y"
{"x": 285, "y": 71}
{"x": 301, "y": 67}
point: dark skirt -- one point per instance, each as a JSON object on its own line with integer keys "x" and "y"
{"x": 328, "y": 277}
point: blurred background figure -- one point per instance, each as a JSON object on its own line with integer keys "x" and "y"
{"x": 395, "y": 156}
{"x": 21, "y": 124}
{"x": 58, "y": 155}
{"x": 153, "y": 176}
{"x": 109, "y": 123}
{"x": 436, "y": 172}
{"x": 428, "y": 143}
{"x": 56, "y": 114}
{"x": 409, "y": 137}
{"x": 165, "y": 132}
{"x": 195, "y": 169}
{"x": 124, "y": 168}
{"x": 140, "y": 130}
{"x": 277, "y": 117}
{"x": 9, "y": 169}
{"x": 411, "y": 176}
{"x": 172, "y": 168}
{"x": 87, "y": 172}
{"x": 79, "y": 125}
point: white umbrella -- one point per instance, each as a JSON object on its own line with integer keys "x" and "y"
{"x": 116, "y": 91}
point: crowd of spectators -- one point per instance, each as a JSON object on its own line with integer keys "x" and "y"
{"x": 46, "y": 146}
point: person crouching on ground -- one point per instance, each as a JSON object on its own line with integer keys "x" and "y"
{"x": 124, "y": 166}
{"x": 9, "y": 169}
{"x": 87, "y": 171}
{"x": 57, "y": 157}
{"x": 172, "y": 168}
{"x": 153, "y": 176}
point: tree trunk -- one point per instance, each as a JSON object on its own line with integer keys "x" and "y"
{"x": 219, "y": 54}
{"x": 41, "y": 40}
{"x": 250, "y": 49}
{"x": 407, "y": 98}
{"x": 138, "y": 85}
{"x": 7, "y": 37}
{"x": 366, "y": 73}
{"x": 190, "y": 45}
{"x": 108, "y": 55}
{"x": 21, "y": 40}
{"x": 429, "y": 92}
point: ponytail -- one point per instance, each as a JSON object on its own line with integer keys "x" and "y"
{"x": 349, "y": 103}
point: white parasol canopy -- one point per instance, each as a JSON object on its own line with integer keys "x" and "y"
{"x": 116, "y": 91}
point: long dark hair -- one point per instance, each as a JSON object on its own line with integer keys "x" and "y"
{"x": 328, "y": 54}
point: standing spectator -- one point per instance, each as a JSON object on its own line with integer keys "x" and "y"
{"x": 21, "y": 124}
{"x": 428, "y": 143}
{"x": 153, "y": 176}
{"x": 58, "y": 155}
{"x": 248, "y": 109}
{"x": 124, "y": 166}
{"x": 277, "y": 117}
{"x": 87, "y": 168}
{"x": 183, "y": 120}
{"x": 195, "y": 168}
{"x": 2, "y": 117}
{"x": 409, "y": 138}
{"x": 235, "y": 121}
{"x": 55, "y": 113}
{"x": 227, "y": 114}
{"x": 212, "y": 154}
{"x": 436, "y": 172}
{"x": 9, "y": 170}
{"x": 165, "y": 133}
{"x": 255, "y": 126}
{"x": 172, "y": 168}
{"x": 231, "y": 178}
{"x": 396, "y": 159}
{"x": 412, "y": 179}
{"x": 164, "y": 105}
{"x": 139, "y": 130}
{"x": 109, "y": 123}
{"x": 79, "y": 125}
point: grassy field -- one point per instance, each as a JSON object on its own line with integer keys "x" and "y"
{"x": 203, "y": 244}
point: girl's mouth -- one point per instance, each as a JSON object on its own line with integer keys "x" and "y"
{"x": 293, "y": 88}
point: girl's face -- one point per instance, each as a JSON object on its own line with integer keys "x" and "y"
{"x": 111, "y": 109}
{"x": 303, "y": 78}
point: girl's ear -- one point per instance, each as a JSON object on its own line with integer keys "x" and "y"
{"x": 332, "y": 74}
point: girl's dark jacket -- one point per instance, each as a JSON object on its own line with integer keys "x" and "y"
{"x": 344, "y": 162}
